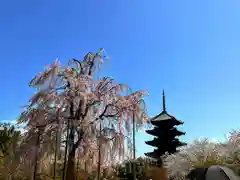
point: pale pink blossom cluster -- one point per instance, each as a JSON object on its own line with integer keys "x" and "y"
{"x": 204, "y": 153}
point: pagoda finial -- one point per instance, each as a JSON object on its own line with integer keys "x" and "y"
{"x": 163, "y": 99}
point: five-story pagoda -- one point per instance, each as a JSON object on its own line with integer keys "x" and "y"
{"x": 165, "y": 133}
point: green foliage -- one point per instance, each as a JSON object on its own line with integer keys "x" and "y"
{"x": 9, "y": 137}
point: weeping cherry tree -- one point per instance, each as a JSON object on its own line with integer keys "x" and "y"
{"x": 70, "y": 99}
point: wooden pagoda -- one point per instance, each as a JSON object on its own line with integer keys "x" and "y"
{"x": 165, "y": 132}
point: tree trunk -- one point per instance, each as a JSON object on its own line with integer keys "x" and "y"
{"x": 56, "y": 148}
{"x": 71, "y": 170}
{"x": 99, "y": 152}
{"x": 77, "y": 168}
{"x": 65, "y": 153}
{"x": 36, "y": 157}
{"x": 134, "y": 150}
{"x": 71, "y": 155}
{"x": 55, "y": 156}
{"x": 71, "y": 165}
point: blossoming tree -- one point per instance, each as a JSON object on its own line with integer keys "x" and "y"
{"x": 72, "y": 105}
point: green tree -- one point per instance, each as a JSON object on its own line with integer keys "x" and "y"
{"x": 9, "y": 138}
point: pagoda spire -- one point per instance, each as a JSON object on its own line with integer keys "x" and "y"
{"x": 163, "y": 99}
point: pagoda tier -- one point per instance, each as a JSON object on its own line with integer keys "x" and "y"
{"x": 161, "y": 143}
{"x": 157, "y": 131}
{"x": 166, "y": 120}
{"x": 156, "y": 154}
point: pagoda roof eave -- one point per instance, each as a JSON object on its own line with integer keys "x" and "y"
{"x": 173, "y": 122}
{"x": 151, "y": 143}
{"x": 164, "y": 116}
{"x": 152, "y": 155}
{"x": 156, "y": 129}
{"x": 161, "y": 113}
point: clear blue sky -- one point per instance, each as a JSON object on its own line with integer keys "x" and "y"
{"x": 189, "y": 48}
